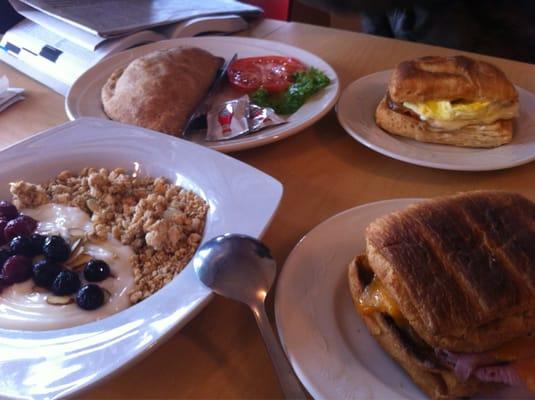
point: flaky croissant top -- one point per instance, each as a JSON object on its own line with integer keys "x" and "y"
{"x": 449, "y": 78}
{"x": 462, "y": 268}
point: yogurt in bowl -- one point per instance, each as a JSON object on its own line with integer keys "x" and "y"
{"x": 104, "y": 240}
{"x": 26, "y": 306}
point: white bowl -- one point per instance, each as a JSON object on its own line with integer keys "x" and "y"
{"x": 50, "y": 364}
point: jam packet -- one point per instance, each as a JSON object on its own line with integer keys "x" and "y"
{"x": 262, "y": 117}
{"x": 238, "y": 117}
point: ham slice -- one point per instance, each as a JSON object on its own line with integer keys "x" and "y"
{"x": 506, "y": 374}
{"x": 488, "y": 367}
{"x": 464, "y": 364}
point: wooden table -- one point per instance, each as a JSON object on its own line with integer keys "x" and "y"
{"x": 324, "y": 171}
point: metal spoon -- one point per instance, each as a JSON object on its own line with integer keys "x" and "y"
{"x": 241, "y": 268}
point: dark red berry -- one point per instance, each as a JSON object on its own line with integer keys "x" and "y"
{"x": 23, "y": 225}
{"x": 3, "y": 223}
{"x": 17, "y": 269}
{"x": 8, "y": 211}
{"x": 4, "y": 255}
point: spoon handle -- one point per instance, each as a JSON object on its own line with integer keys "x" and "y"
{"x": 291, "y": 388}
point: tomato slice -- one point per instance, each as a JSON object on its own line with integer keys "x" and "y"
{"x": 273, "y": 73}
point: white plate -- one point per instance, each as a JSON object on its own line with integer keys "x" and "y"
{"x": 327, "y": 343}
{"x": 83, "y": 99}
{"x": 356, "y": 110}
{"x": 56, "y": 363}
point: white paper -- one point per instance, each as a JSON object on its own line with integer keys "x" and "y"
{"x": 4, "y": 84}
{"x": 76, "y": 35}
{"x": 119, "y": 17}
{"x": 8, "y": 95}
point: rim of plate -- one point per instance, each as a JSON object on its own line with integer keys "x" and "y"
{"x": 318, "y": 391}
{"x": 344, "y": 120}
{"x": 326, "y": 99}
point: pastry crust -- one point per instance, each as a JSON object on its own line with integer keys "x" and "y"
{"x": 491, "y": 135}
{"x": 418, "y": 361}
{"x": 161, "y": 89}
{"x": 449, "y": 78}
{"x": 444, "y": 260}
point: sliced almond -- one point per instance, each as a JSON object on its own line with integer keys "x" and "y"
{"x": 92, "y": 204}
{"x": 76, "y": 232}
{"x": 78, "y": 261}
{"x": 107, "y": 294}
{"x": 95, "y": 239}
{"x": 77, "y": 249}
{"x": 77, "y": 243}
{"x": 38, "y": 289}
{"x": 59, "y": 300}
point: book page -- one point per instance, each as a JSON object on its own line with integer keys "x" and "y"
{"x": 76, "y": 35}
{"x": 109, "y": 18}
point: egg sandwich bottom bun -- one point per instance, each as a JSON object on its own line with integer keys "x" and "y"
{"x": 449, "y": 100}
{"x": 491, "y": 135}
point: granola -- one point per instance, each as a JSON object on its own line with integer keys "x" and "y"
{"x": 162, "y": 222}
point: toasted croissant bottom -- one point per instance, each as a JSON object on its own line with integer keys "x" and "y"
{"x": 491, "y": 135}
{"x": 437, "y": 382}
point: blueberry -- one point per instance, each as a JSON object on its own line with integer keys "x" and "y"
{"x": 66, "y": 282}
{"x": 90, "y": 297}
{"x": 17, "y": 269}
{"x": 23, "y": 225}
{"x": 21, "y": 245}
{"x": 4, "y": 255}
{"x": 96, "y": 270}
{"x": 38, "y": 242}
{"x": 8, "y": 211}
{"x": 56, "y": 248}
{"x": 45, "y": 272}
{"x": 3, "y": 223}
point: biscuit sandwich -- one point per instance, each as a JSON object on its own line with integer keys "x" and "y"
{"x": 449, "y": 100}
{"x": 447, "y": 288}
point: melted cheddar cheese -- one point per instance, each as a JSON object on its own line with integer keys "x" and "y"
{"x": 376, "y": 299}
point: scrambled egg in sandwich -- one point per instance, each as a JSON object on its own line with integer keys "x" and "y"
{"x": 453, "y": 115}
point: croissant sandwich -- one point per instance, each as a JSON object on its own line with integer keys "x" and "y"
{"x": 447, "y": 288}
{"x": 450, "y": 100}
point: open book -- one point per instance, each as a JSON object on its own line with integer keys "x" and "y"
{"x": 60, "y": 39}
